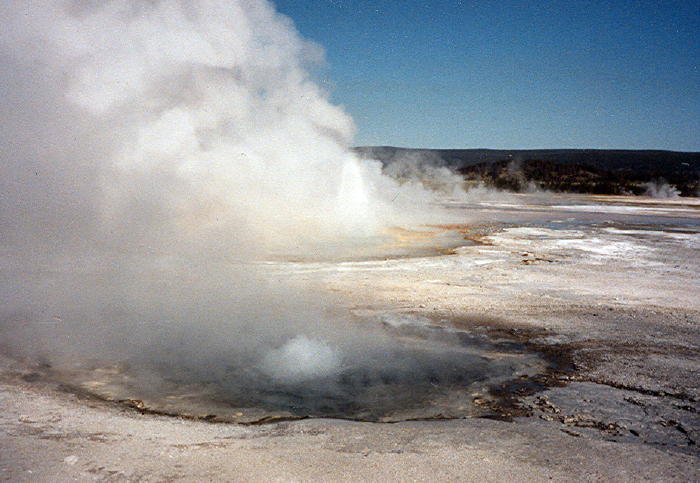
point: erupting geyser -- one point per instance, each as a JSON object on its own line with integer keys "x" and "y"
{"x": 152, "y": 150}
{"x": 353, "y": 201}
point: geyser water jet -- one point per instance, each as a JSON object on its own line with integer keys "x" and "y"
{"x": 353, "y": 204}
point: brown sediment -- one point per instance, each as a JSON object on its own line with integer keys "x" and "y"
{"x": 404, "y": 235}
{"x": 474, "y": 232}
{"x": 430, "y": 241}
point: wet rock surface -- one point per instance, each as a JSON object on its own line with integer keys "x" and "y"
{"x": 585, "y": 409}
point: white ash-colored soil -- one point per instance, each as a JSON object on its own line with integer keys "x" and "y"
{"x": 618, "y": 288}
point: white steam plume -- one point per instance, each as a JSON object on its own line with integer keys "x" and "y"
{"x": 153, "y": 120}
{"x": 149, "y": 149}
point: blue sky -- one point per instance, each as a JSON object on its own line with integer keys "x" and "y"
{"x": 511, "y": 74}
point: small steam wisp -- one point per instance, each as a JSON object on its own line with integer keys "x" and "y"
{"x": 301, "y": 359}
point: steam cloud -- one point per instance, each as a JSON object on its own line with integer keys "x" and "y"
{"x": 151, "y": 151}
{"x": 659, "y": 188}
{"x": 427, "y": 170}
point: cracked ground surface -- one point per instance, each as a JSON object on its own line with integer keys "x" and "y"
{"x": 606, "y": 285}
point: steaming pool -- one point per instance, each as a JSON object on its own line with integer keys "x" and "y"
{"x": 414, "y": 370}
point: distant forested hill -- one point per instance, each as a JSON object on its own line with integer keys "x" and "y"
{"x": 580, "y": 170}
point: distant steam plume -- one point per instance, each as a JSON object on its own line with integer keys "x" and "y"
{"x": 427, "y": 170}
{"x": 659, "y": 188}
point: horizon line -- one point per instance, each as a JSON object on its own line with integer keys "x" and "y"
{"x": 523, "y": 149}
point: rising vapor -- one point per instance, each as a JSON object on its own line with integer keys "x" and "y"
{"x": 152, "y": 152}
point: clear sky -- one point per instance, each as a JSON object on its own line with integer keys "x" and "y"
{"x": 512, "y": 74}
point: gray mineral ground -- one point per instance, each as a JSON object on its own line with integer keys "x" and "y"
{"x": 604, "y": 289}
